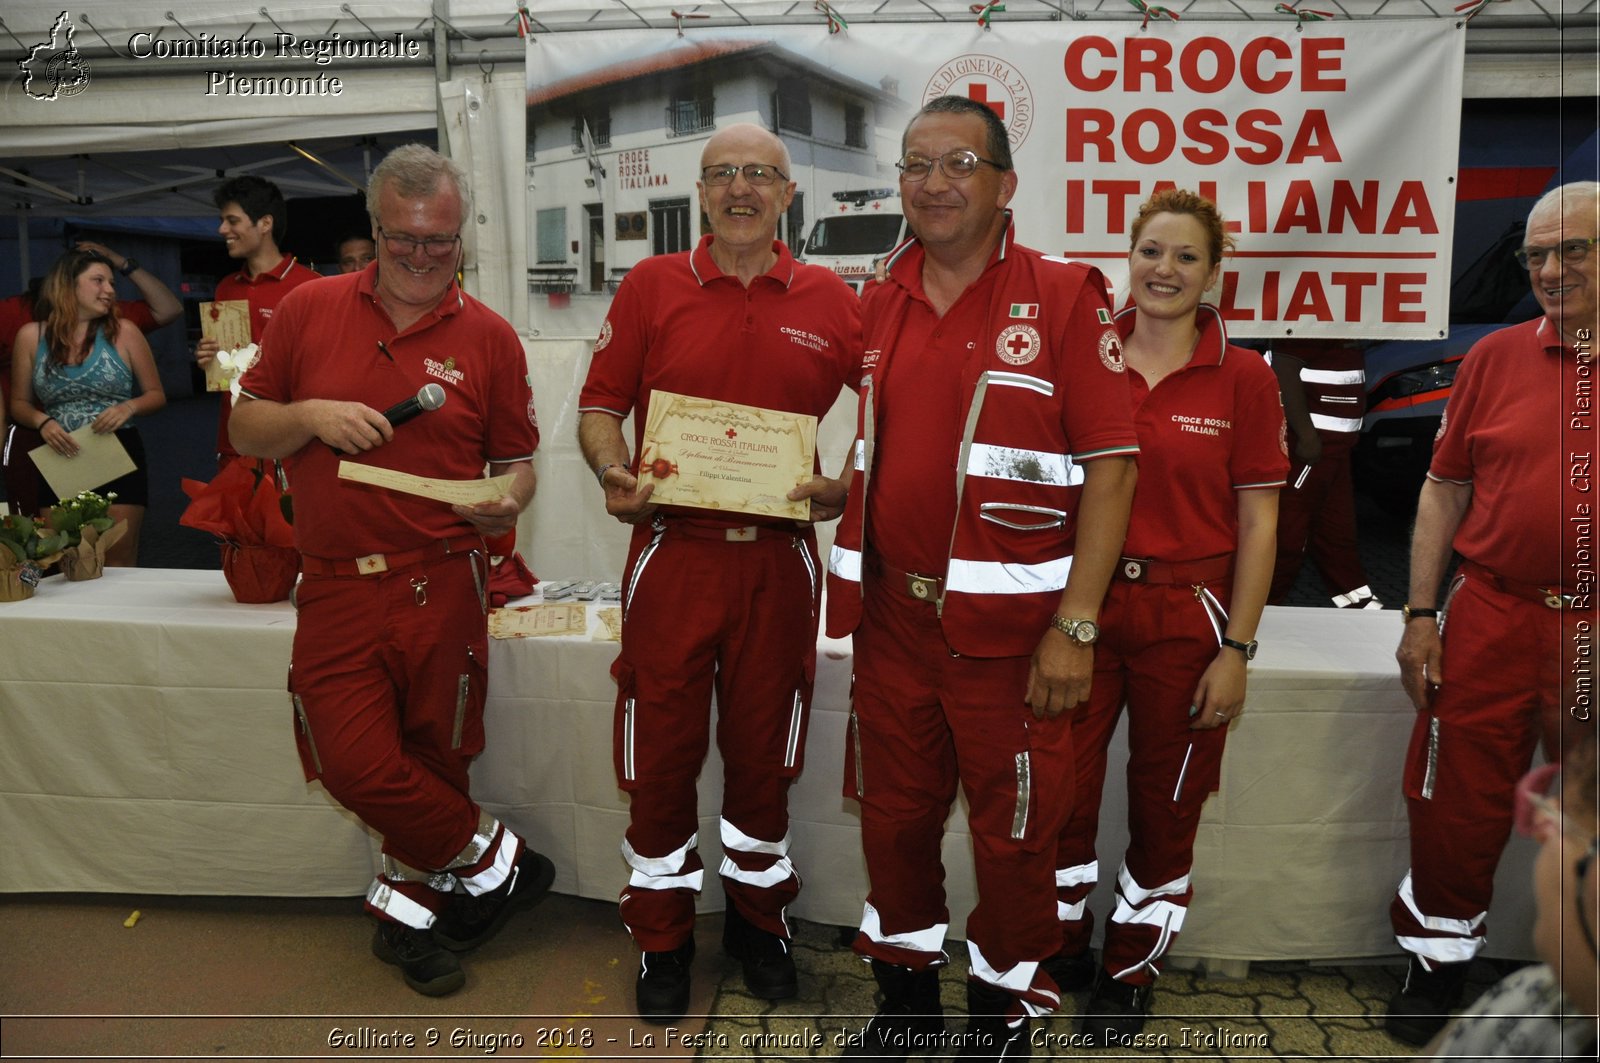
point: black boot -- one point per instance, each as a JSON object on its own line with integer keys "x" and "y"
{"x": 662, "y": 989}
{"x": 768, "y": 964}
{"x": 1423, "y": 1003}
{"x": 1072, "y": 971}
{"x": 910, "y": 1019}
{"x": 991, "y": 1033}
{"x": 427, "y": 968}
{"x": 1115, "y": 1012}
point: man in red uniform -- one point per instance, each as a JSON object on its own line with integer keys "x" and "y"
{"x": 158, "y": 307}
{"x": 391, "y": 647}
{"x": 1323, "y": 386}
{"x": 254, "y": 217}
{"x": 1511, "y": 490}
{"x": 973, "y": 597}
{"x": 711, "y": 600}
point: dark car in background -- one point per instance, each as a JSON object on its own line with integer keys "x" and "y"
{"x": 1511, "y": 153}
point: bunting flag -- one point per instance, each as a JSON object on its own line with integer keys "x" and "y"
{"x": 681, "y": 15}
{"x": 985, "y": 12}
{"x": 1475, "y": 7}
{"x": 836, "y": 21}
{"x": 1152, "y": 11}
{"x": 1306, "y": 15}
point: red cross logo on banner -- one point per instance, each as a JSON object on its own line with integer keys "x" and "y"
{"x": 978, "y": 92}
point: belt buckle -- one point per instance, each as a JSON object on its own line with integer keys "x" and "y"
{"x": 746, "y": 534}
{"x": 922, "y": 588}
{"x": 372, "y": 564}
{"x": 1134, "y": 569}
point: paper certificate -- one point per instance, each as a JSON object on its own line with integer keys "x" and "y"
{"x": 722, "y": 455}
{"x": 227, "y": 322}
{"x": 538, "y": 621}
{"x": 455, "y": 492}
{"x": 101, "y": 458}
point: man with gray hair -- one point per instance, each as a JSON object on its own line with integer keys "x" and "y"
{"x": 1509, "y": 489}
{"x": 391, "y": 647}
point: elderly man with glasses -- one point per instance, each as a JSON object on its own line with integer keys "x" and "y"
{"x": 987, "y": 501}
{"x": 390, "y": 659}
{"x": 1510, "y": 489}
{"x": 713, "y": 600}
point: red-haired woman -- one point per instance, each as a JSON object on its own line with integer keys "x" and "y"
{"x": 1179, "y": 621}
{"x": 81, "y": 365}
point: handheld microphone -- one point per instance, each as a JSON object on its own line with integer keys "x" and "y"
{"x": 429, "y": 397}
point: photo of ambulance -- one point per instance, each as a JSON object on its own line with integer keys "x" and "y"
{"x": 855, "y": 231}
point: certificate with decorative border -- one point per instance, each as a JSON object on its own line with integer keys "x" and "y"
{"x": 726, "y": 456}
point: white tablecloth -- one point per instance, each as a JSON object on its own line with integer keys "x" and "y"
{"x": 146, "y": 747}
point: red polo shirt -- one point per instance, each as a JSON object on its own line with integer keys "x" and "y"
{"x": 1508, "y": 432}
{"x": 1208, "y": 430}
{"x": 790, "y": 341}
{"x": 323, "y": 343}
{"x": 263, "y": 292}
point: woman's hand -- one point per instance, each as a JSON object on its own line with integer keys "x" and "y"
{"x": 1220, "y": 696}
{"x": 58, "y": 439}
{"x": 113, "y": 417}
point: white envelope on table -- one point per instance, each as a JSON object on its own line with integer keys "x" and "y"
{"x": 101, "y": 458}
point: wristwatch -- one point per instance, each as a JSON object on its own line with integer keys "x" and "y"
{"x": 1083, "y": 632}
{"x": 128, "y": 266}
{"x": 1408, "y": 614}
{"x": 1246, "y": 648}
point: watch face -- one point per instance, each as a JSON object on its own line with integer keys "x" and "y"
{"x": 1086, "y": 631}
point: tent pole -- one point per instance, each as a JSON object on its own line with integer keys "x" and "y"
{"x": 441, "y": 71}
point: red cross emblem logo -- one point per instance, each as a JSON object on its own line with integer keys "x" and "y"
{"x": 1018, "y": 345}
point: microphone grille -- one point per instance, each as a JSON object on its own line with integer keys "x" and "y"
{"x": 431, "y": 397}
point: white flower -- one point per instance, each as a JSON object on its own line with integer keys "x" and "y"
{"x": 234, "y": 364}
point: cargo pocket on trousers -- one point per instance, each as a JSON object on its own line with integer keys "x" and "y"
{"x": 622, "y": 726}
{"x": 472, "y": 690}
{"x": 1045, "y": 774}
{"x": 855, "y": 783}
{"x": 305, "y": 745}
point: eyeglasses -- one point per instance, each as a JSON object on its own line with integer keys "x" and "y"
{"x": 402, "y": 245}
{"x": 756, "y": 173}
{"x": 1571, "y": 251}
{"x": 957, "y": 165}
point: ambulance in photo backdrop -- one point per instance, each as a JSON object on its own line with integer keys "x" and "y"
{"x": 853, "y": 231}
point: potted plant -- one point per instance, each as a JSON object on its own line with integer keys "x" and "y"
{"x": 87, "y": 532}
{"x": 26, "y": 547}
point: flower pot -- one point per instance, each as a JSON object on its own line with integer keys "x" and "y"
{"x": 13, "y": 588}
{"x": 258, "y": 574}
{"x": 86, "y": 565}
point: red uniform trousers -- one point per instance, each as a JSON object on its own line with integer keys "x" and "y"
{"x": 1505, "y": 661}
{"x": 388, "y": 682}
{"x": 1319, "y": 519}
{"x": 702, "y": 613}
{"x": 1156, "y": 641}
{"x": 923, "y": 719}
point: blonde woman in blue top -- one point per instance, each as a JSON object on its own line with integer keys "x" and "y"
{"x": 81, "y": 365}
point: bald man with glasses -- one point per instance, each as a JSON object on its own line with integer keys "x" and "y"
{"x": 711, "y": 600}
{"x": 1510, "y": 489}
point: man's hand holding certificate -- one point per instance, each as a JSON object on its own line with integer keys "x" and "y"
{"x": 726, "y": 456}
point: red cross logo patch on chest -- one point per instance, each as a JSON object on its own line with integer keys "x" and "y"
{"x": 1018, "y": 345}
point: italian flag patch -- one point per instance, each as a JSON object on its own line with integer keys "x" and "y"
{"x": 1025, "y": 310}
{"x": 1103, "y": 315}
